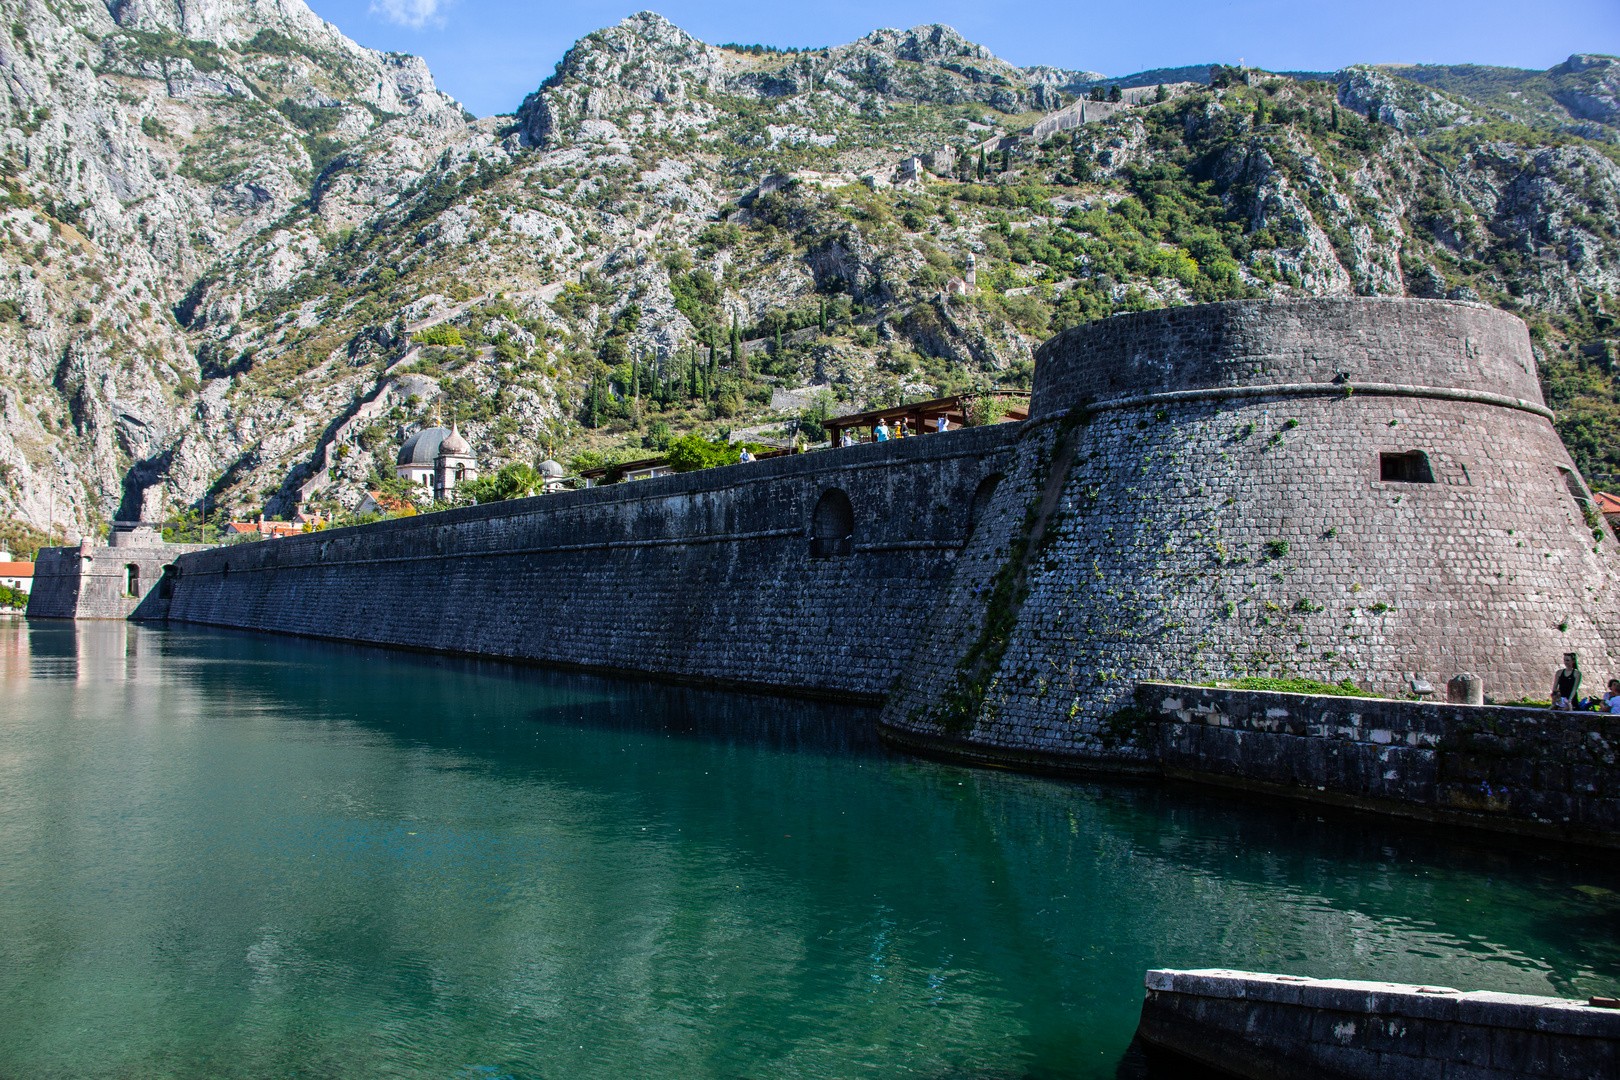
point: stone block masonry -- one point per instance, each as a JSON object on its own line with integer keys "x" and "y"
{"x": 1535, "y": 772}
{"x": 1362, "y": 489}
{"x": 1359, "y": 489}
{"x": 1279, "y": 1027}
{"x": 810, "y": 574}
{"x": 131, "y": 581}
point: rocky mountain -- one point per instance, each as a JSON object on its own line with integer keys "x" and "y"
{"x": 243, "y": 257}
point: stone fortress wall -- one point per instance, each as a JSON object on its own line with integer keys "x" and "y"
{"x": 1363, "y": 489}
{"x": 811, "y": 574}
{"x": 133, "y": 577}
{"x": 1200, "y": 494}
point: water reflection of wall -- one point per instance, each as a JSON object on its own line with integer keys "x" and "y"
{"x": 14, "y": 651}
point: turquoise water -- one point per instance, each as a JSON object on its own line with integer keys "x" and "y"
{"x": 236, "y": 856}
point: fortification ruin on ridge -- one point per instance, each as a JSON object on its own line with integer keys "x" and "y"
{"x": 1362, "y": 489}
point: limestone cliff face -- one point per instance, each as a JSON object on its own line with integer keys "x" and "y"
{"x": 226, "y": 227}
{"x": 148, "y": 144}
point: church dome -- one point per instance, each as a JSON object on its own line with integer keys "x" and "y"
{"x": 454, "y": 445}
{"x": 551, "y": 470}
{"x": 423, "y": 447}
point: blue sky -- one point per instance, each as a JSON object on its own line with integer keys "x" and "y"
{"x": 490, "y": 53}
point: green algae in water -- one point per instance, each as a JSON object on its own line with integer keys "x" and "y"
{"x": 236, "y": 856}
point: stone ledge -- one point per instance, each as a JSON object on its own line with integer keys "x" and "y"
{"x": 1521, "y": 1012}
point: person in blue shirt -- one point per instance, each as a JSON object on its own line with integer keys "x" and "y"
{"x": 881, "y": 432}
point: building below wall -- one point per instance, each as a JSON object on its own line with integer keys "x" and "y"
{"x": 17, "y": 576}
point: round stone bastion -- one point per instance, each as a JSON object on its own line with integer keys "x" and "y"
{"x": 1360, "y": 489}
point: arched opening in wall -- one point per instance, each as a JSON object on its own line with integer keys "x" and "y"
{"x": 832, "y": 526}
{"x": 1411, "y": 467}
{"x": 171, "y": 574}
{"x": 981, "y": 501}
{"x": 132, "y": 580}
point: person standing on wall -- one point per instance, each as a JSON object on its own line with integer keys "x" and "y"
{"x": 1567, "y": 683}
{"x": 881, "y": 432}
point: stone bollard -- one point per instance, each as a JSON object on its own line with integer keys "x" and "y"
{"x": 1465, "y": 689}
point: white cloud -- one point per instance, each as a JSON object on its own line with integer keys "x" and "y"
{"x": 412, "y": 13}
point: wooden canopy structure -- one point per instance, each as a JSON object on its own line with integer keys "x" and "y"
{"x": 922, "y": 417}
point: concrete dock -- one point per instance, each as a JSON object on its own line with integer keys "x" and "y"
{"x": 1271, "y": 1027}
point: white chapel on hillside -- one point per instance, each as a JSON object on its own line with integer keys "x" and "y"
{"x": 438, "y": 459}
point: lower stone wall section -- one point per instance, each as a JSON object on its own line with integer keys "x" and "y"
{"x": 713, "y": 577}
{"x": 1278, "y": 1027}
{"x": 55, "y": 592}
{"x": 1536, "y": 772}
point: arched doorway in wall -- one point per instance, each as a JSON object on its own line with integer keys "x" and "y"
{"x": 832, "y": 525}
{"x": 132, "y": 580}
{"x": 981, "y": 501}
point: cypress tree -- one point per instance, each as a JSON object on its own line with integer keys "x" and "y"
{"x": 822, "y": 314}
{"x": 1335, "y": 118}
{"x": 736, "y": 340}
{"x": 635, "y": 377}
{"x": 981, "y": 163}
{"x": 1006, "y": 158}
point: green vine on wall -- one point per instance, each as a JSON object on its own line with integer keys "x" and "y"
{"x": 963, "y": 700}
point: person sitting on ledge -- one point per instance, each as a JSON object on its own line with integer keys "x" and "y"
{"x": 1611, "y": 697}
{"x": 1567, "y": 683}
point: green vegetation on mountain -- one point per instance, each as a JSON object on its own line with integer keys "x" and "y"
{"x": 671, "y": 241}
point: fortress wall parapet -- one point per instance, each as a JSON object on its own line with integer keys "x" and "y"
{"x": 1251, "y": 344}
{"x": 1152, "y": 530}
{"x": 714, "y": 576}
